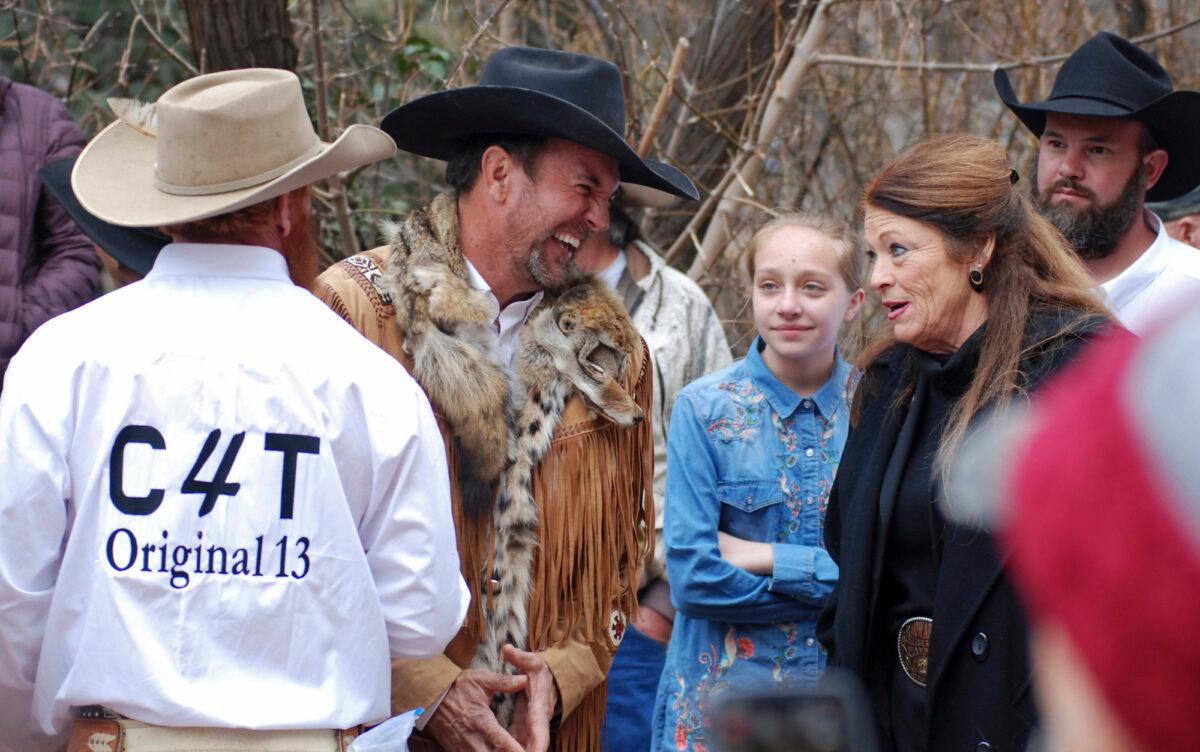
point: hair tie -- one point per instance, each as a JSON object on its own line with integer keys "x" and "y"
{"x": 1014, "y": 176}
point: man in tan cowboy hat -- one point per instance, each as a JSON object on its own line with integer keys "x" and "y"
{"x": 534, "y": 154}
{"x": 222, "y": 509}
{"x": 1113, "y": 134}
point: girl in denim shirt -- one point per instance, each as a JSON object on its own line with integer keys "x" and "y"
{"x": 751, "y": 456}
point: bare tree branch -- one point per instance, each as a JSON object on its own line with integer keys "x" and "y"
{"x": 664, "y": 97}
{"x": 767, "y": 123}
{"x": 337, "y": 193}
{"x": 159, "y": 40}
{"x": 468, "y": 47}
{"x": 968, "y": 67}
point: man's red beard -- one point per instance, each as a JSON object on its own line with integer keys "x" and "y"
{"x": 300, "y": 251}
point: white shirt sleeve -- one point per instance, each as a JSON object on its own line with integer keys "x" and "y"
{"x": 408, "y": 534}
{"x": 35, "y": 425}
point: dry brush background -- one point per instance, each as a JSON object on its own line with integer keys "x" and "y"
{"x": 766, "y": 103}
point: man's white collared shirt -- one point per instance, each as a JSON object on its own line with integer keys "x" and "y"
{"x": 508, "y": 322}
{"x": 221, "y": 507}
{"x": 1164, "y": 278}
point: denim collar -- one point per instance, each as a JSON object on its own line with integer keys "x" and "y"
{"x": 828, "y": 399}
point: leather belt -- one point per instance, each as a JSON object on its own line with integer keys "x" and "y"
{"x": 98, "y": 729}
{"x": 912, "y": 646}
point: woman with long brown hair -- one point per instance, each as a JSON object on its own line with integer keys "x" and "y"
{"x": 983, "y": 299}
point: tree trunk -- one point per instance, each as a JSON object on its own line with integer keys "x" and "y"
{"x": 718, "y": 233}
{"x": 729, "y": 55}
{"x": 1135, "y": 17}
{"x": 229, "y": 34}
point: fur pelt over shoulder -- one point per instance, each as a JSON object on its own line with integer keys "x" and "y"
{"x": 579, "y": 339}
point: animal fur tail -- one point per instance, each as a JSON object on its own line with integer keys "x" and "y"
{"x": 515, "y": 517}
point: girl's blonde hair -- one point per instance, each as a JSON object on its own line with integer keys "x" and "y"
{"x": 853, "y": 264}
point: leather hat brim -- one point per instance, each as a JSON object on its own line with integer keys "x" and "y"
{"x": 133, "y": 247}
{"x": 1172, "y": 119}
{"x": 642, "y": 196}
{"x": 114, "y": 177}
{"x": 436, "y": 126}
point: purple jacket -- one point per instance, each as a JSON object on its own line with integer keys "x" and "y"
{"x": 47, "y": 264}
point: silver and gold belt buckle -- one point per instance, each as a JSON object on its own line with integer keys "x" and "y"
{"x": 912, "y": 644}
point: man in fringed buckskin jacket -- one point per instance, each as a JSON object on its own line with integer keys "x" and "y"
{"x": 551, "y": 475}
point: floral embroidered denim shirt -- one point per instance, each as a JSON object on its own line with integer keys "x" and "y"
{"x": 748, "y": 456}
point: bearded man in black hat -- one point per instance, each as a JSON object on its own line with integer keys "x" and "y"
{"x": 470, "y": 293}
{"x": 1112, "y": 135}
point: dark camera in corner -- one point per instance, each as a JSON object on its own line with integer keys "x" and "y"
{"x": 832, "y": 717}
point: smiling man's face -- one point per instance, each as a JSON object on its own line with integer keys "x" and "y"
{"x": 564, "y": 202}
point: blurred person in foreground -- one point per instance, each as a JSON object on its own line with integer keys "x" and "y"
{"x": 1182, "y": 217}
{"x": 222, "y": 510}
{"x": 983, "y": 301}
{"x": 552, "y": 487}
{"x": 1096, "y": 492}
{"x": 46, "y": 264}
{"x": 1113, "y": 134}
{"x": 686, "y": 341}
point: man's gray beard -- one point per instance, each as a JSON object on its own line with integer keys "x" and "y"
{"x": 1095, "y": 232}
{"x": 540, "y": 270}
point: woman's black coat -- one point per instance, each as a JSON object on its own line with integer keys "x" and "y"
{"x": 979, "y": 681}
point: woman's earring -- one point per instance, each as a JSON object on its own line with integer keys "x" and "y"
{"x": 976, "y": 279}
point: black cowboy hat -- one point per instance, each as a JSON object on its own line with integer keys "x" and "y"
{"x": 1109, "y": 76}
{"x": 536, "y": 92}
{"x": 133, "y": 247}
